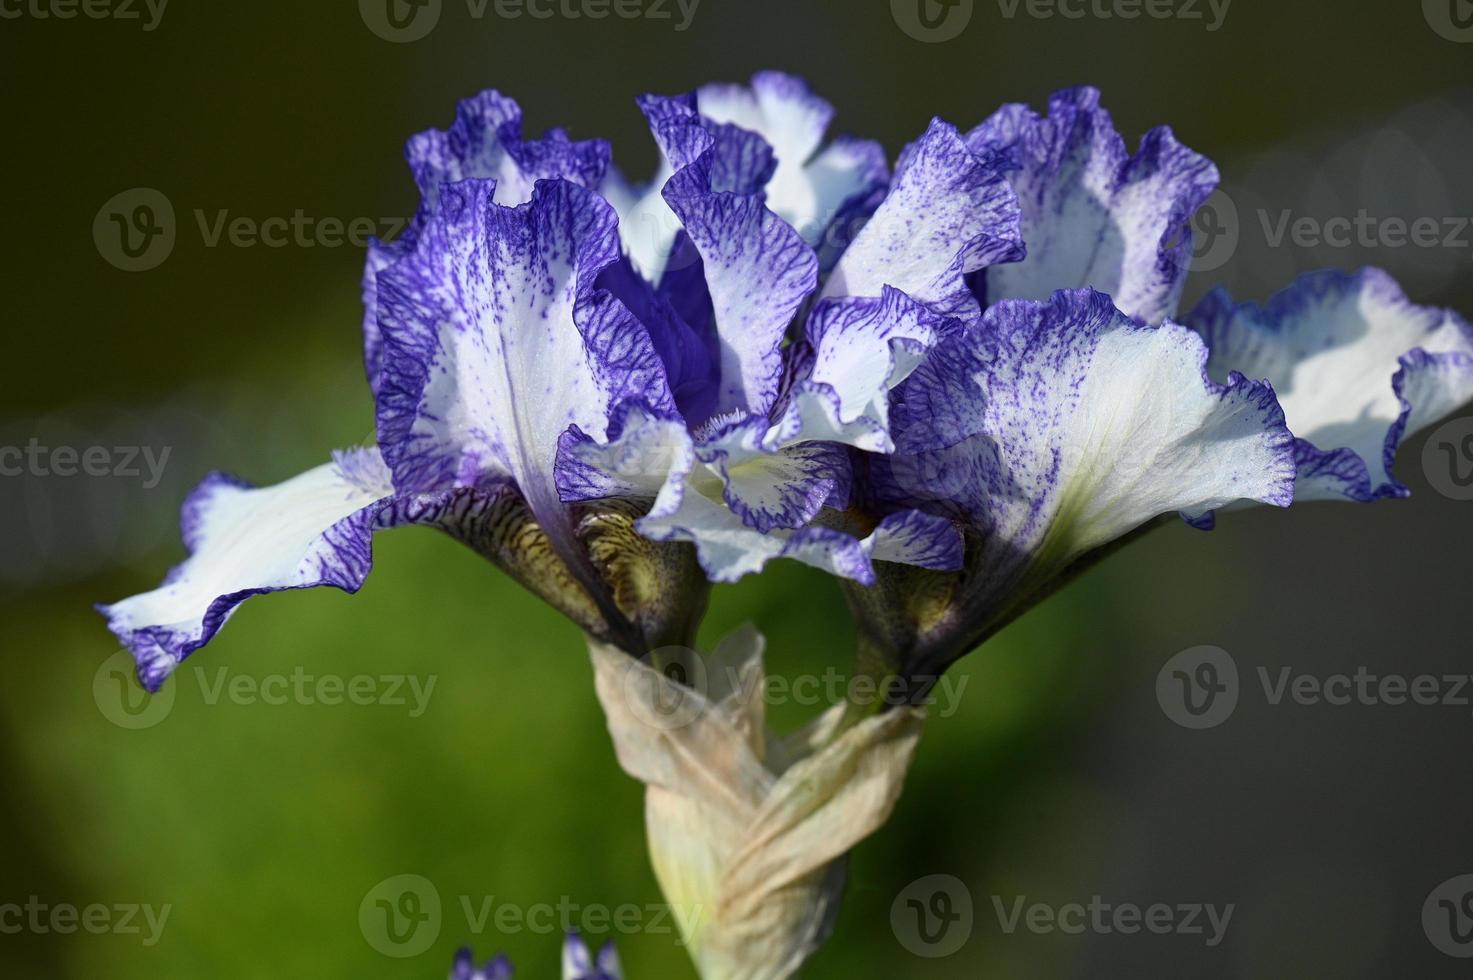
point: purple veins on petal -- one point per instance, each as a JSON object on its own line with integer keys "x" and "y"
{"x": 1357, "y": 366}
{"x": 949, "y": 213}
{"x": 484, "y": 142}
{"x": 1094, "y": 215}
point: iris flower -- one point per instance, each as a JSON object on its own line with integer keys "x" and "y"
{"x": 576, "y": 412}
{"x": 953, "y": 386}
{"x": 578, "y": 964}
{"x": 1077, "y": 412}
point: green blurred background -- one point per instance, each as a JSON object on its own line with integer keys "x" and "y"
{"x": 263, "y": 827}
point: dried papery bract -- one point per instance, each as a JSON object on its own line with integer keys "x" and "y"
{"x": 748, "y": 832}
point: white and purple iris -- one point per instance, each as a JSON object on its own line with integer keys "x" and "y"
{"x": 578, "y": 964}
{"x": 780, "y": 349}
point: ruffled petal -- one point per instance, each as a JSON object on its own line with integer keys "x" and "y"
{"x": 728, "y": 549}
{"x": 497, "y": 342}
{"x": 692, "y": 358}
{"x": 1357, "y": 367}
{"x": 313, "y": 530}
{"x": 647, "y": 226}
{"x": 862, "y": 348}
{"x": 1092, "y": 214}
{"x": 756, "y": 269}
{"x": 811, "y": 189}
{"x": 484, "y": 142}
{"x": 855, "y": 173}
{"x": 718, "y": 494}
{"x": 913, "y": 537}
{"x": 771, "y": 487}
{"x": 1082, "y": 424}
{"x": 949, "y": 213}
{"x": 648, "y": 456}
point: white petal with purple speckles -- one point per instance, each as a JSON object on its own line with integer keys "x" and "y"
{"x": 862, "y": 349}
{"x": 1080, "y": 424}
{"x": 729, "y": 550}
{"x": 655, "y": 458}
{"x": 315, "y": 529}
{"x": 484, "y": 142}
{"x": 913, "y": 537}
{"x": 1357, "y": 367}
{"x": 758, "y": 270}
{"x": 717, "y": 496}
{"x": 647, "y": 226}
{"x": 649, "y": 458}
{"x": 774, "y": 486}
{"x": 949, "y": 213}
{"x": 811, "y": 189}
{"x": 1093, "y": 216}
{"x": 496, "y": 343}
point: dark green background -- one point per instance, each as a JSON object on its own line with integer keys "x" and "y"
{"x": 1059, "y": 778}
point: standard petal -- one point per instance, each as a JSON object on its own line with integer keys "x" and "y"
{"x": 1357, "y": 367}
{"x": 757, "y": 270}
{"x": 1081, "y": 425}
{"x": 496, "y": 343}
{"x": 692, "y": 358}
{"x": 949, "y": 213}
{"x": 484, "y": 142}
{"x": 1092, "y": 214}
{"x": 854, "y": 173}
{"x": 811, "y": 189}
{"x": 313, "y": 530}
{"x": 647, "y": 226}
